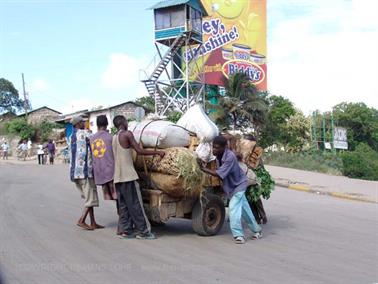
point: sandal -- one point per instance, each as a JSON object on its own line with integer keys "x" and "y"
{"x": 239, "y": 240}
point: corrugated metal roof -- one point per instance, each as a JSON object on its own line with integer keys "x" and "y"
{"x": 169, "y": 3}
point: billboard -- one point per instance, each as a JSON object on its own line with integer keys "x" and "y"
{"x": 340, "y": 140}
{"x": 234, "y": 40}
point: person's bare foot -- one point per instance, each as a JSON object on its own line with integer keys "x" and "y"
{"x": 97, "y": 226}
{"x": 84, "y": 226}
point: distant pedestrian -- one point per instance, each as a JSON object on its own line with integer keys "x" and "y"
{"x": 5, "y": 148}
{"x": 81, "y": 172}
{"x": 29, "y": 151}
{"x": 51, "y": 151}
{"x": 40, "y": 154}
{"x": 103, "y": 159}
{"x": 23, "y": 149}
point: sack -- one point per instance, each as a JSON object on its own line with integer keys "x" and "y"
{"x": 196, "y": 120}
{"x": 159, "y": 133}
{"x": 178, "y": 162}
{"x": 173, "y": 186}
{"x": 251, "y": 176}
{"x": 204, "y": 151}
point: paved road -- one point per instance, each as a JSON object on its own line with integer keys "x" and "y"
{"x": 309, "y": 239}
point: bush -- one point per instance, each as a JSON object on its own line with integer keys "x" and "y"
{"x": 361, "y": 163}
{"x": 45, "y": 129}
{"x": 317, "y": 161}
{"x": 21, "y": 128}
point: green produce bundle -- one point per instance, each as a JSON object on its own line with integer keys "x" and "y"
{"x": 264, "y": 187}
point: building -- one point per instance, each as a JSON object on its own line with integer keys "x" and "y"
{"x": 41, "y": 114}
{"x": 126, "y": 109}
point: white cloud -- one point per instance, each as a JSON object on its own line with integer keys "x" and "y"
{"x": 38, "y": 85}
{"x": 81, "y": 104}
{"x": 325, "y": 55}
{"x": 122, "y": 72}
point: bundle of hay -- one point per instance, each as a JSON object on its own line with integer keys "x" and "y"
{"x": 177, "y": 174}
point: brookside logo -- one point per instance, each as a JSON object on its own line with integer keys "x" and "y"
{"x": 254, "y": 72}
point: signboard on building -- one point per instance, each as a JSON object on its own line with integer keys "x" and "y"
{"x": 340, "y": 138}
{"x": 234, "y": 40}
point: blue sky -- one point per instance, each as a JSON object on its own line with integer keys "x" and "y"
{"x": 81, "y": 54}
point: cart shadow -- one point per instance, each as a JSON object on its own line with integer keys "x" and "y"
{"x": 174, "y": 227}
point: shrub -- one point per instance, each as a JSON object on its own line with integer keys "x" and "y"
{"x": 361, "y": 163}
{"x": 317, "y": 161}
{"x": 45, "y": 130}
{"x": 21, "y": 128}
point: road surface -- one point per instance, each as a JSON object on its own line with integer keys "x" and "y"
{"x": 308, "y": 239}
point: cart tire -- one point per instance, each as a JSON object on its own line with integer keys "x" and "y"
{"x": 208, "y": 219}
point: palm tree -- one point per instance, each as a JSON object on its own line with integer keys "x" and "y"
{"x": 243, "y": 105}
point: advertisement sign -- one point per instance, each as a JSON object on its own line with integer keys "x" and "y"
{"x": 340, "y": 138}
{"x": 234, "y": 40}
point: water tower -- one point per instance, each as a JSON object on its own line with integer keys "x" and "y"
{"x": 169, "y": 78}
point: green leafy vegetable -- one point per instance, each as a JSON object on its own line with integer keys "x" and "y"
{"x": 264, "y": 187}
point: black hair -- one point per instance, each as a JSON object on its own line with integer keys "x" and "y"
{"x": 220, "y": 140}
{"x": 250, "y": 137}
{"x": 118, "y": 120}
{"x": 102, "y": 121}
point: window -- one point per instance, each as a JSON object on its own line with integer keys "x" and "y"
{"x": 195, "y": 18}
{"x": 169, "y": 17}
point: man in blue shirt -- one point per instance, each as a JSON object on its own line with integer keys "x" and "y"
{"x": 234, "y": 185}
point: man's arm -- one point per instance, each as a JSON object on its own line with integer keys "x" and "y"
{"x": 209, "y": 171}
{"x": 221, "y": 172}
{"x": 130, "y": 137}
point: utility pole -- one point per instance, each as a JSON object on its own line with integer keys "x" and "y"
{"x": 324, "y": 132}
{"x": 333, "y": 134}
{"x": 25, "y": 97}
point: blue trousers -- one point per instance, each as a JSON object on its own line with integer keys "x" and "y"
{"x": 238, "y": 209}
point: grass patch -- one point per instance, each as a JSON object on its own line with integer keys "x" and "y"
{"x": 310, "y": 161}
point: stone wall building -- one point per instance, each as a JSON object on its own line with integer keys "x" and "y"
{"x": 41, "y": 114}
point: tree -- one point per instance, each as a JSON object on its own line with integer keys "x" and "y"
{"x": 280, "y": 110}
{"x": 243, "y": 105}
{"x": 360, "y": 121}
{"x": 9, "y": 97}
{"x": 296, "y": 132}
{"x": 21, "y": 127}
{"x": 147, "y": 102}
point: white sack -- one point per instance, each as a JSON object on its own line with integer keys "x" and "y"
{"x": 196, "y": 120}
{"x": 204, "y": 151}
{"x": 159, "y": 133}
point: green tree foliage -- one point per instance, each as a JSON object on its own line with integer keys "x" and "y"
{"x": 279, "y": 112}
{"x": 9, "y": 97}
{"x": 147, "y": 102}
{"x": 296, "y": 132}
{"x": 45, "y": 129}
{"x": 361, "y": 163}
{"x": 174, "y": 116}
{"x": 243, "y": 105}
{"x": 21, "y": 128}
{"x": 360, "y": 121}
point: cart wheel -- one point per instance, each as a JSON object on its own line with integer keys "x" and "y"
{"x": 208, "y": 219}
